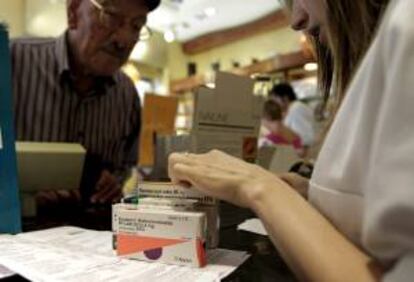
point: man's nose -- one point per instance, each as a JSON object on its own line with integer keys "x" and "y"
{"x": 123, "y": 38}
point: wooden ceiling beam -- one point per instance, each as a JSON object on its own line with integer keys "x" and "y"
{"x": 273, "y": 21}
{"x": 276, "y": 64}
{"x": 186, "y": 84}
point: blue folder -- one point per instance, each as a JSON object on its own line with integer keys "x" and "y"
{"x": 10, "y": 218}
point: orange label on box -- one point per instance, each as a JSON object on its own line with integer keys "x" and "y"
{"x": 129, "y": 244}
{"x": 168, "y": 236}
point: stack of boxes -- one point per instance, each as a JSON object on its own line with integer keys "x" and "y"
{"x": 169, "y": 224}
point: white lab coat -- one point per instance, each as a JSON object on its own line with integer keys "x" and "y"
{"x": 364, "y": 177}
{"x": 300, "y": 119}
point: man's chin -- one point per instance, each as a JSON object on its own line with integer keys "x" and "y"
{"x": 106, "y": 70}
{"x": 107, "y": 65}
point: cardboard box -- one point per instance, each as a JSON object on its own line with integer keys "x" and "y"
{"x": 10, "y": 221}
{"x": 166, "y": 190}
{"x": 278, "y": 158}
{"x": 158, "y": 117}
{"x": 204, "y": 204}
{"x": 227, "y": 118}
{"x": 169, "y": 204}
{"x": 167, "y": 236}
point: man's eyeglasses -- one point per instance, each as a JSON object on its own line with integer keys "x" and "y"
{"x": 112, "y": 22}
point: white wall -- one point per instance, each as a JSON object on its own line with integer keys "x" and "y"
{"x": 45, "y": 17}
{"x": 12, "y": 12}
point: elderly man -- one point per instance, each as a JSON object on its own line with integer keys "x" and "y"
{"x": 71, "y": 89}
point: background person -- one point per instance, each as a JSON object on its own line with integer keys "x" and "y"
{"x": 278, "y": 134}
{"x": 297, "y": 115}
{"x": 71, "y": 89}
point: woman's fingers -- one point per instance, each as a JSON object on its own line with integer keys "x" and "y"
{"x": 195, "y": 176}
{"x": 173, "y": 160}
{"x": 190, "y": 160}
{"x": 179, "y": 172}
{"x": 210, "y": 181}
{"x": 215, "y": 174}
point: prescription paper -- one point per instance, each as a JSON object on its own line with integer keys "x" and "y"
{"x": 74, "y": 254}
{"x": 254, "y": 225}
{"x": 5, "y": 272}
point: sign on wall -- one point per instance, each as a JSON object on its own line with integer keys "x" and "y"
{"x": 10, "y": 221}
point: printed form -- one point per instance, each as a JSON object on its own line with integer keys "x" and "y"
{"x": 5, "y": 272}
{"x": 74, "y": 254}
{"x": 253, "y": 225}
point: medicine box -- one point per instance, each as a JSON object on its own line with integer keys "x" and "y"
{"x": 206, "y": 204}
{"x": 168, "y": 190}
{"x": 161, "y": 235}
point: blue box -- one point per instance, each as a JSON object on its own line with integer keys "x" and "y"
{"x": 10, "y": 218}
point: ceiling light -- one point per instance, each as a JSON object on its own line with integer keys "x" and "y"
{"x": 39, "y": 23}
{"x": 210, "y": 12}
{"x": 303, "y": 38}
{"x": 169, "y": 36}
{"x": 211, "y": 85}
{"x": 311, "y": 67}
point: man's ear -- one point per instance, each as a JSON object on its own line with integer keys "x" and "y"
{"x": 73, "y": 13}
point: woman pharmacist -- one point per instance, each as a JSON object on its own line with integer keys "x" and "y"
{"x": 358, "y": 222}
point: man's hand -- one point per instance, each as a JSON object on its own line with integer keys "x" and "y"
{"x": 50, "y": 199}
{"x": 108, "y": 190}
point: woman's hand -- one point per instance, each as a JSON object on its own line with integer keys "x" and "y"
{"x": 219, "y": 175}
{"x": 297, "y": 182}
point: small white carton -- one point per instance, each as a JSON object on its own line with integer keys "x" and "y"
{"x": 162, "y": 235}
{"x": 206, "y": 204}
{"x": 167, "y": 190}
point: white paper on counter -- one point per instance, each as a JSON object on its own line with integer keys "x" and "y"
{"x": 5, "y": 272}
{"x": 68, "y": 254}
{"x": 75, "y": 238}
{"x": 254, "y": 225}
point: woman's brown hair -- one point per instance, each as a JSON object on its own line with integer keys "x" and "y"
{"x": 351, "y": 26}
